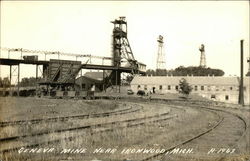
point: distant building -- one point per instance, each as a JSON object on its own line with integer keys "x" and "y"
{"x": 90, "y": 79}
{"x": 224, "y": 89}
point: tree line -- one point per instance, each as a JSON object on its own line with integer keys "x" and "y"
{"x": 25, "y": 82}
{"x": 184, "y": 71}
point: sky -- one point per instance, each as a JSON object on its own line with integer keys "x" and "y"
{"x": 84, "y": 27}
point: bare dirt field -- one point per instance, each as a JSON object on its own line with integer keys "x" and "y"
{"x": 135, "y": 128}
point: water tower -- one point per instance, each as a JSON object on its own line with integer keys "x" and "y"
{"x": 203, "y": 57}
{"x": 160, "y": 62}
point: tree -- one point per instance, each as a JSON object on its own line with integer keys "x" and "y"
{"x": 185, "y": 88}
{"x": 161, "y": 72}
{"x": 29, "y": 81}
{"x": 184, "y": 71}
{"x": 129, "y": 78}
{"x": 5, "y": 82}
{"x": 150, "y": 72}
{"x": 197, "y": 71}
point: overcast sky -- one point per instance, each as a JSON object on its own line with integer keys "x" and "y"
{"x": 85, "y": 28}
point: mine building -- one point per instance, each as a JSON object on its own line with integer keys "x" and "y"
{"x": 225, "y": 89}
{"x": 89, "y": 79}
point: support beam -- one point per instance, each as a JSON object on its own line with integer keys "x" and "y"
{"x": 10, "y": 77}
{"x": 103, "y": 84}
{"x": 18, "y": 79}
{"x": 36, "y": 78}
{"x": 241, "y": 94}
{"x": 21, "y": 53}
{"x": 116, "y": 80}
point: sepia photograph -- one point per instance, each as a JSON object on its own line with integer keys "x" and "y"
{"x": 124, "y": 80}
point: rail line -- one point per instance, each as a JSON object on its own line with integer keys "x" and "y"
{"x": 106, "y": 114}
{"x": 105, "y": 127}
{"x": 130, "y": 123}
{"x": 65, "y": 118}
{"x": 160, "y": 155}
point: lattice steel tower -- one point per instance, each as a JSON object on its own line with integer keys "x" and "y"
{"x": 160, "y": 62}
{"x": 203, "y": 57}
{"x": 122, "y": 51}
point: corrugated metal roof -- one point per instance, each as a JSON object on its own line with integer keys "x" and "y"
{"x": 161, "y": 80}
{"x": 94, "y": 75}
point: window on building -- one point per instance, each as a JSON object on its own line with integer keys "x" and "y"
{"x": 217, "y": 88}
{"x": 176, "y": 88}
{"x": 160, "y": 87}
{"x": 213, "y": 96}
{"x": 202, "y": 88}
{"x": 226, "y": 97}
{"x": 145, "y": 87}
{"x": 195, "y": 88}
{"x": 231, "y": 88}
{"x": 83, "y": 86}
{"x": 138, "y": 86}
{"x": 169, "y": 87}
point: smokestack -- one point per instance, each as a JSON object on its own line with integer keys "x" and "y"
{"x": 241, "y": 94}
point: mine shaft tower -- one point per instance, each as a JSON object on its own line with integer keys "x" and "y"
{"x": 121, "y": 50}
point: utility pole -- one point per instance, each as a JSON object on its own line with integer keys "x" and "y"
{"x": 241, "y": 90}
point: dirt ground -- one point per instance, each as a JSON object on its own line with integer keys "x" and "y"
{"x": 20, "y": 108}
{"x": 117, "y": 144}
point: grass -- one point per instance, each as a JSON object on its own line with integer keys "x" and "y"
{"x": 157, "y": 135}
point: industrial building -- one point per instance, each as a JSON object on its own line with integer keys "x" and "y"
{"x": 86, "y": 82}
{"x": 225, "y": 89}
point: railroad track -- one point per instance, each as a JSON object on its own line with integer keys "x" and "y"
{"x": 224, "y": 116}
{"x": 96, "y": 115}
{"x": 103, "y": 127}
{"x": 106, "y": 127}
{"x": 66, "y": 118}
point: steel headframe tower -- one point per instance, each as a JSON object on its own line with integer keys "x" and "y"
{"x": 160, "y": 62}
{"x": 203, "y": 57}
{"x": 122, "y": 52}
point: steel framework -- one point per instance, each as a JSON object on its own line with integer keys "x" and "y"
{"x": 63, "y": 72}
{"x": 160, "y": 62}
{"x": 203, "y": 57}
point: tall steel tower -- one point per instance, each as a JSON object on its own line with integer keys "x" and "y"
{"x": 122, "y": 51}
{"x": 160, "y": 62}
{"x": 203, "y": 57}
